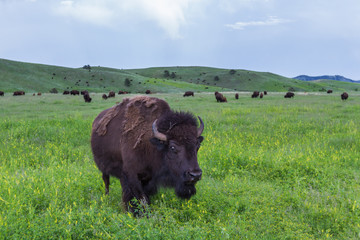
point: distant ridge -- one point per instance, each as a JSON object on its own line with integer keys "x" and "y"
{"x": 326, "y": 77}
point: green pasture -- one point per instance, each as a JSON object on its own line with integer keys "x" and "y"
{"x": 273, "y": 168}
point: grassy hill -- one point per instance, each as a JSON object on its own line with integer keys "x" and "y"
{"x": 31, "y": 77}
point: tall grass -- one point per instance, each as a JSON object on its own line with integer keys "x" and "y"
{"x": 273, "y": 168}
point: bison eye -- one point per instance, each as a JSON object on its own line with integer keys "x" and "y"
{"x": 173, "y": 149}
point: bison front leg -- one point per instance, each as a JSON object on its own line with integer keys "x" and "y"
{"x": 134, "y": 196}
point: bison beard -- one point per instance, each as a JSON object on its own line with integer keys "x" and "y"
{"x": 146, "y": 145}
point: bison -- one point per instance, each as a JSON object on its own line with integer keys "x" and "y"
{"x": 1, "y": 93}
{"x": 66, "y": 92}
{"x": 147, "y": 145}
{"x": 104, "y": 96}
{"x": 329, "y": 91}
{"x": 84, "y": 92}
{"x": 344, "y": 96}
{"x": 148, "y": 91}
{"x": 87, "y": 97}
{"x": 74, "y": 92}
{"x": 289, "y": 95}
{"x": 111, "y": 94}
{"x": 236, "y": 96}
{"x": 219, "y": 97}
{"x": 188, "y": 94}
{"x": 18, "y": 93}
{"x": 122, "y": 92}
{"x": 261, "y": 95}
{"x": 265, "y": 92}
{"x": 255, "y": 94}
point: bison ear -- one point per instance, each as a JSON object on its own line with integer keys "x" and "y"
{"x": 160, "y": 145}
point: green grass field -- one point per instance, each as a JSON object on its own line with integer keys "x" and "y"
{"x": 273, "y": 168}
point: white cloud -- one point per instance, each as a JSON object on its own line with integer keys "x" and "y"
{"x": 271, "y": 21}
{"x": 87, "y": 11}
{"x": 169, "y": 15}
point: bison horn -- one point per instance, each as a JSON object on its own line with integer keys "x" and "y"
{"x": 158, "y": 134}
{"x": 201, "y": 128}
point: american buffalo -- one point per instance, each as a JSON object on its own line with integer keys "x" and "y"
{"x": 122, "y": 92}
{"x": 261, "y": 95}
{"x": 219, "y": 97}
{"x": 344, "y": 96}
{"x": 146, "y": 145}
{"x": 1, "y": 93}
{"x": 18, "y": 93}
{"x": 289, "y": 95}
{"x": 236, "y": 96}
{"x": 148, "y": 91}
{"x": 104, "y": 96}
{"x": 265, "y": 92}
{"x": 188, "y": 94}
{"x": 87, "y": 98}
{"x": 329, "y": 91}
{"x": 39, "y": 93}
{"x": 255, "y": 94}
{"x": 66, "y": 92}
{"x": 74, "y": 92}
{"x": 111, "y": 94}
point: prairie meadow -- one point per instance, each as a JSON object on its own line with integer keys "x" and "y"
{"x": 273, "y": 168}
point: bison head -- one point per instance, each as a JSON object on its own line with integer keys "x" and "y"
{"x": 178, "y": 138}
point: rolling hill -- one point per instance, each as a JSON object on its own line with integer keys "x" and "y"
{"x": 31, "y": 77}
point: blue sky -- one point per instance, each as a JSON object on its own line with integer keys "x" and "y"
{"x": 290, "y": 38}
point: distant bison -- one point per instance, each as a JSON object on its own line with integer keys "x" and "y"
{"x": 289, "y": 95}
{"x": 18, "y": 93}
{"x": 1, "y": 93}
{"x": 104, "y": 96}
{"x": 146, "y": 145}
{"x": 148, "y": 91}
{"x": 265, "y": 92}
{"x": 122, "y": 92}
{"x": 74, "y": 92}
{"x": 261, "y": 95}
{"x": 39, "y": 93}
{"x": 236, "y": 96}
{"x": 219, "y": 97}
{"x": 344, "y": 96}
{"x": 66, "y": 92}
{"x": 329, "y": 91}
{"x": 87, "y": 98}
{"x": 188, "y": 94}
{"x": 111, "y": 94}
{"x": 255, "y": 94}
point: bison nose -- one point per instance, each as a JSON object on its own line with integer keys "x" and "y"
{"x": 194, "y": 176}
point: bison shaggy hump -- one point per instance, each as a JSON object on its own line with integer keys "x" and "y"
{"x": 146, "y": 145}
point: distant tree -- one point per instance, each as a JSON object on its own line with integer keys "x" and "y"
{"x": 173, "y": 75}
{"x": 127, "y": 82}
{"x": 88, "y": 67}
{"x": 232, "y": 71}
{"x": 216, "y": 78}
{"x": 166, "y": 73}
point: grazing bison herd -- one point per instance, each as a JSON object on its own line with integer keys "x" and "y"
{"x": 218, "y": 96}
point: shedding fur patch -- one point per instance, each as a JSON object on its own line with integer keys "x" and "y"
{"x": 101, "y": 126}
{"x": 136, "y": 116}
{"x": 140, "y": 112}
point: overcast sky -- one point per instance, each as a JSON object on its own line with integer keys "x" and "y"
{"x": 286, "y": 37}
